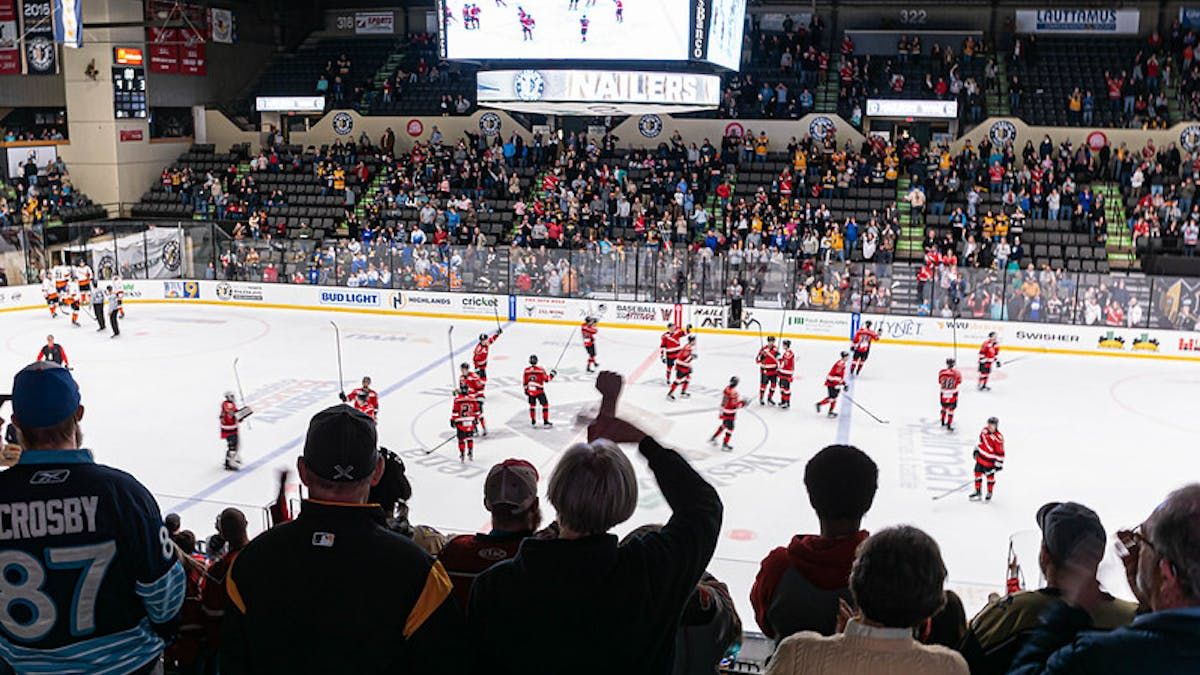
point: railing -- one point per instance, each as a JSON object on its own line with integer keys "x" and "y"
{"x": 770, "y": 279}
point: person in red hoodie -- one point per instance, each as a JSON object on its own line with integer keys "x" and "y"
{"x": 798, "y": 587}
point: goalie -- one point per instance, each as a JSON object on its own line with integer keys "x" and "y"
{"x": 231, "y": 419}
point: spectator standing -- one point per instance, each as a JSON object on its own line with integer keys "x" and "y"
{"x": 214, "y": 600}
{"x": 1072, "y": 546}
{"x": 116, "y": 540}
{"x": 590, "y": 603}
{"x": 510, "y": 494}
{"x": 1162, "y": 564}
{"x": 897, "y": 585}
{"x": 337, "y": 574}
{"x": 798, "y": 587}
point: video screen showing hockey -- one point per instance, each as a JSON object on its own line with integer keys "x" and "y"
{"x": 624, "y": 30}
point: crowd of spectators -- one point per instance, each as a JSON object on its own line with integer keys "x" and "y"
{"x": 40, "y": 195}
{"x": 843, "y": 600}
{"x": 41, "y": 132}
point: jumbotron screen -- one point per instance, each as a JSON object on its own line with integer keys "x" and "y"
{"x": 611, "y": 30}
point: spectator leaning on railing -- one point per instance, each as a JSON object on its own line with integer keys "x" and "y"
{"x": 1162, "y": 564}
{"x": 897, "y": 585}
{"x": 91, "y": 579}
{"x": 336, "y": 591}
{"x": 576, "y": 602}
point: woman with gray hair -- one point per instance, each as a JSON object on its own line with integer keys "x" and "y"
{"x": 578, "y": 602}
{"x": 897, "y": 583}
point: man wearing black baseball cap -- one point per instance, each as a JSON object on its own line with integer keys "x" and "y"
{"x": 1072, "y": 547}
{"x": 370, "y": 600}
{"x": 103, "y": 579}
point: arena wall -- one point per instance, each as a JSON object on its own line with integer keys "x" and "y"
{"x": 1024, "y": 338}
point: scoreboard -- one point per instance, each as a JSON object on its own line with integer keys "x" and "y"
{"x": 129, "y": 84}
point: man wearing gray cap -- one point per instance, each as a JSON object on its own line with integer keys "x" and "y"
{"x": 89, "y": 578}
{"x": 1072, "y": 547}
{"x": 510, "y": 493}
{"x": 336, "y": 591}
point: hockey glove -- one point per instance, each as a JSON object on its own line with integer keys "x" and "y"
{"x": 342, "y": 395}
{"x": 997, "y": 363}
{"x": 975, "y": 455}
{"x": 499, "y": 332}
{"x": 553, "y": 373}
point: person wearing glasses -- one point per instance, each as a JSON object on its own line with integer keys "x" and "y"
{"x": 1162, "y": 564}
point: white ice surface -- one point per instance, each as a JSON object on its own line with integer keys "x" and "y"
{"x": 1114, "y": 434}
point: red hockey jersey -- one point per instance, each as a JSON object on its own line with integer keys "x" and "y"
{"x": 365, "y": 401}
{"x": 464, "y": 413}
{"x": 480, "y": 357}
{"x": 475, "y": 384}
{"x": 863, "y": 339}
{"x": 589, "y": 334}
{"x": 948, "y": 381}
{"x": 787, "y": 365}
{"x": 671, "y": 343}
{"x": 837, "y": 374}
{"x": 767, "y": 360}
{"x": 229, "y": 420}
{"x": 730, "y": 402}
{"x": 683, "y": 362}
{"x": 991, "y": 449}
{"x": 988, "y": 351}
{"x": 535, "y": 380}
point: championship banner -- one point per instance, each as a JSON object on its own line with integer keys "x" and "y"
{"x": 68, "y": 23}
{"x": 162, "y": 50}
{"x": 39, "y": 53}
{"x": 1078, "y": 21}
{"x": 192, "y": 55}
{"x": 158, "y": 251}
{"x": 10, "y": 48}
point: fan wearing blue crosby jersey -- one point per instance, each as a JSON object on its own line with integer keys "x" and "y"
{"x": 89, "y": 579}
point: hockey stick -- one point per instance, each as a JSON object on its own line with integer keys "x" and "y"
{"x": 1019, "y": 358}
{"x": 760, "y": 331}
{"x": 450, "y": 355}
{"x": 241, "y": 394}
{"x": 337, "y": 336}
{"x": 563, "y": 353}
{"x": 868, "y": 412}
{"x": 430, "y": 451}
{"x": 954, "y": 330}
{"x": 951, "y": 491}
{"x": 496, "y": 314}
{"x": 782, "y": 321}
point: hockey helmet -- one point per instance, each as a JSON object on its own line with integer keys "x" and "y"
{"x": 691, "y": 338}
{"x": 483, "y": 337}
{"x": 845, "y": 354}
{"x": 229, "y": 396}
{"x": 992, "y": 334}
{"x": 787, "y": 343}
{"x": 533, "y": 359}
{"x": 733, "y": 381}
{"x": 950, "y": 363}
{"x": 463, "y": 366}
{"x": 670, "y": 324}
{"x": 366, "y": 381}
{"x": 867, "y": 324}
{"x": 994, "y": 421}
{"x": 770, "y": 338}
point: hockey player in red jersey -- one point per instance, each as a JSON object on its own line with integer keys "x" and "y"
{"x": 463, "y": 416}
{"x": 834, "y": 381}
{"x": 535, "y": 380}
{"x": 231, "y": 418}
{"x": 52, "y": 351}
{"x": 731, "y": 401}
{"x": 475, "y": 386}
{"x": 683, "y": 369}
{"x": 364, "y": 399}
{"x": 989, "y": 355}
{"x": 670, "y": 345}
{"x": 588, "y": 330}
{"x": 480, "y": 356}
{"x": 948, "y": 381}
{"x": 787, "y": 371}
{"x": 768, "y": 370}
{"x": 861, "y": 345}
{"x": 989, "y": 458}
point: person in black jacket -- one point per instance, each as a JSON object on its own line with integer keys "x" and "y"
{"x": 336, "y": 591}
{"x": 579, "y": 603}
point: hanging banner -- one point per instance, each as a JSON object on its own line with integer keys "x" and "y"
{"x": 38, "y": 51}
{"x": 68, "y": 23}
{"x": 158, "y": 251}
{"x": 10, "y": 39}
{"x": 1078, "y": 21}
{"x": 192, "y": 55}
{"x": 221, "y": 22}
{"x": 162, "y": 47}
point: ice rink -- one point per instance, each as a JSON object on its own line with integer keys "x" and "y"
{"x": 1115, "y": 434}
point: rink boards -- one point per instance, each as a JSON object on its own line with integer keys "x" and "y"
{"x": 796, "y": 324}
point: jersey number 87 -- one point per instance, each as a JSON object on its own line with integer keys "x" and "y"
{"x": 29, "y": 614}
